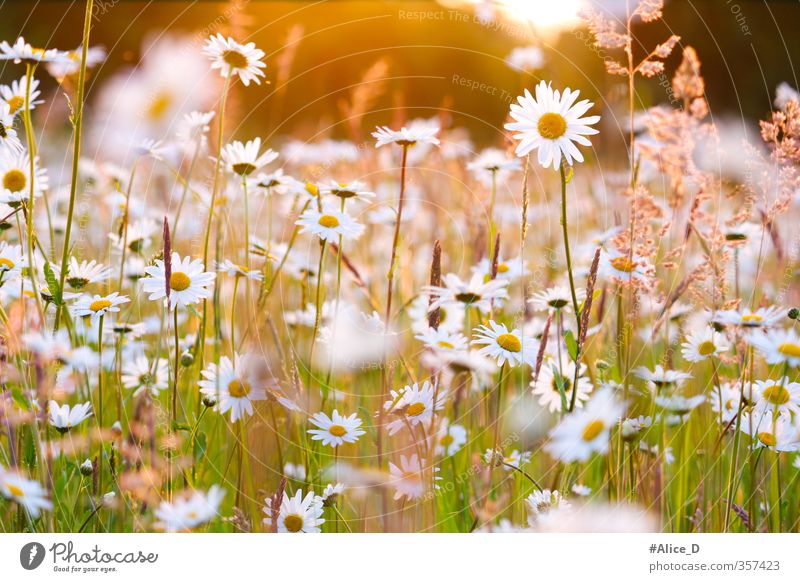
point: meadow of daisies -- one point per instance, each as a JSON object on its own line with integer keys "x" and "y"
{"x": 207, "y": 330}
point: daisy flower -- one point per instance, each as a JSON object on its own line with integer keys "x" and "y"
{"x": 347, "y": 191}
{"x": 330, "y": 224}
{"x": 231, "y": 269}
{"x": 26, "y": 492}
{"x": 540, "y": 503}
{"x": 679, "y": 404}
{"x": 408, "y": 477}
{"x": 414, "y": 404}
{"x": 79, "y": 275}
{"x": 766, "y": 430}
{"x": 336, "y": 429}
{"x": 406, "y": 136}
{"x": 703, "y": 344}
{"x": 556, "y": 298}
{"x": 190, "y": 510}
{"x": 188, "y": 282}
{"x": 62, "y": 418}
{"x": 232, "y": 58}
{"x": 526, "y": 58}
{"x": 331, "y": 492}
{"x": 546, "y": 385}
{"x": 8, "y": 135}
{"x": 194, "y": 126}
{"x": 15, "y": 177}
{"x": 450, "y": 439}
{"x": 72, "y": 64}
{"x": 12, "y": 259}
{"x": 581, "y": 490}
{"x": 661, "y": 377}
{"x": 141, "y": 374}
{"x": 551, "y": 123}
{"x": 14, "y": 95}
{"x": 587, "y": 430}
{"x": 514, "y": 459}
{"x": 504, "y": 345}
{"x": 233, "y": 385}
{"x": 244, "y": 158}
{"x": 493, "y": 165}
{"x": 621, "y": 267}
{"x": 442, "y": 340}
{"x": 509, "y": 269}
{"x": 279, "y": 183}
{"x": 726, "y": 405}
{"x": 22, "y": 51}
{"x": 474, "y": 293}
{"x": 761, "y": 317}
{"x": 781, "y": 396}
{"x": 297, "y": 514}
{"x": 98, "y": 305}
{"x": 778, "y": 346}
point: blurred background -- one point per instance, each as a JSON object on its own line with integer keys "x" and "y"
{"x": 420, "y": 59}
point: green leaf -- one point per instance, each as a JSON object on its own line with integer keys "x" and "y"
{"x": 572, "y": 345}
{"x": 199, "y": 445}
{"x": 52, "y": 283}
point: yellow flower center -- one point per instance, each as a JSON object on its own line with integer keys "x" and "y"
{"x": 159, "y": 105}
{"x": 790, "y": 350}
{"x": 293, "y": 522}
{"x": 776, "y": 394}
{"x": 15, "y": 103}
{"x": 312, "y": 189}
{"x": 235, "y": 59}
{"x": 179, "y": 281}
{"x": 337, "y": 430}
{"x": 6, "y": 263}
{"x": 751, "y": 318}
{"x": 99, "y": 305}
{"x": 509, "y": 342}
{"x": 592, "y": 430}
{"x": 706, "y": 348}
{"x": 328, "y": 221}
{"x": 14, "y": 180}
{"x": 502, "y": 268}
{"x": 415, "y": 409}
{"x": 552, "y": 125}
{"x": 445, "y": 345}
{"x": 14, "y": 490}
{"x": 238, "y": 389}
{"x": 767, "y": 438}
{"x": 447, "y": 440}
{"x": 622, "y": 264}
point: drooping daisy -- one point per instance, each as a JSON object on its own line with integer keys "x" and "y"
{"x": 28, "y": 493}
{"x": 557, "y": 297}
{"x": 63, "y": 418}
{"x": 336, "y": 429}
{"x": 22, "y": 51}
{"x": 331, "y": 492}
{"x": 79, "y": 275}
{"x": 188, "y": 282}
{"x": 450, "y": 439}
{"x": 141, "y": 374}
{"x": 244, "y": 158}
{"x": 586, "y": 430}
{"x": 297, "y": 514}
{"x": 781, "y": 396}
{"x": 354, "y": 190}
{"x": 703, "y": 344}
{"x": 551, "y": 123}
{"x": 15, "y": 177}
{"x": 474, "y": 293}
{"x": 409, "y": 479}
{"x": 406, "y": 136}
{"x": 234, "y": 385}
{"x": 442, "y": 340}
{"x": 513, "y": 460}
{"x": 540, "y": 503}
{"x": 14, "y": 95}
{"x": 777, "y": 345}
{"x": 189, "y": 510}
{"x": 414, "y": 404}
{"x": 546, "y": 386}
{"x": 194, "y": 126}
{"x": 504, "y": 345}
{"x": 232, "y": 58}
{"x": 98, "y": 305}
{"x": 330, "y": 224}
{"x": 761, "y": 317}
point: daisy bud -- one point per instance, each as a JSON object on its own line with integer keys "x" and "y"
{"x": 86, "y": 468}
{"x": 794, "y": 313}
{"x": 187, "y": 359}
{"x": 116, "y": 429}
{"x": 602, "y": 365}
{"x": 209, "y": 401}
